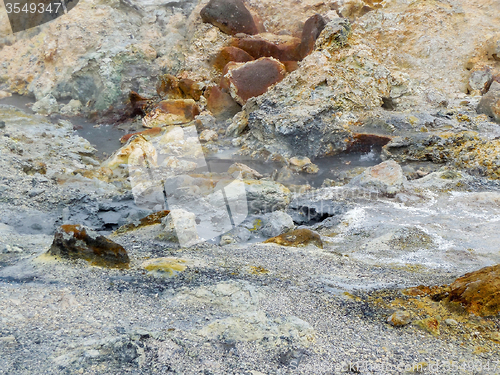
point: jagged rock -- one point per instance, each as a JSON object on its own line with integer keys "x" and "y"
{"x": 171, "y": 112}
{"x": 73, "y": 108}
{"x": 494, "y": 48}
{"x": 208, "y": 135}
{"x": 247, "y": 80}
{"x": 399, "y": 318}
{"x": 480, "y": 80}
{"x": 146, "y": 134}
{"x": 283, "y": 49}
{"x": 245, "y": 171}
{"x": 221, "y": 104}
{"x": 228, "y": 54}
{"x": 266, "y": 196}
{"x": 303, "y": 164}
{"x": 236, "y": 235}
{"x": 180, "y": 226}
{"x": 191, "y": 88}
{"x": 334, "y": 34}
{"x": 478, "y": 292}
{"x": 490, "y": 102}
{"x": 298, "y": 238}
{"x": 386, "y": 178}
{"x": 79, "y": 242}
{"x": 4, "y": 94}
{"x": 168, "y": 87}
{"x": 276, "y": 223}
{"x": 430, "y": 325}
{"x": 152, "y": 219}
{"x": 230, "y": 16}
{"x": 46, "y": 105}
{"x": 312, "y": 29}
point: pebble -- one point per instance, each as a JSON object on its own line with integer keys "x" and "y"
{"x": 399, "y": 318}
{"x": 230, "y": 16}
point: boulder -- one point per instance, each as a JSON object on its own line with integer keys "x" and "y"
{"x": 312, "y": 29}
{"x": 230, "y": 16}
{"x": 79, "y": 242}
{"x": 247, "y": 80}
{"x": 221, "y": 103}
{"x": 298, "y": 238}
{"x": 386, "y": 178}
{"x": 276, "y": 223}
{"x": 180, "y": 226}
{"x": 266, "y": 196}
{"x": 490, "y": 102}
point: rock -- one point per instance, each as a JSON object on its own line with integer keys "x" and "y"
{"x": 152, "y": 219}
{"x": 230, "y": 16}
{"x": 4, "y": 94}
{"x": 168, "y": 267}
{"x": 266, "y": 196}
{"x": 312, "y": 29}
{"x": 228, "y": 54}
{"x": 238, "y": 125}
{"x": 247, "y": 80}
{"x": 46, "y": 105}
{"x": 2, "y": 124}
{"x": 451, "y": 322}
{"x": 168, "y": 87}
{"x": 478, "y": 292}
{"x": 334, "y": 35}
{"x": 480, "y": 80}
{"x": 73, "y": 108}
{"x": 10, "y": 249}
{"x": 297, "y": 238}
{"x": 490, "y": 102}
{"x": 191, "y": 88}
{"x": 221, "y": 104}
{"x": 146, "y": 134}
{"x": 136, "y": 145}
{"x": 208, "y": 135}
{"x": 430, "y": 325}
{"x": 238, "y": 169}
{"x": 276, "y": 223}
{"x": 236, "y": 235}
{"x": 386, "y": 178}
{"x": 171, "y": 112}
{"x": 399, "y": 318}
{"x": 180, "y": 226}
{"x": 79, "y": 242}
{"x": 303, "y": 164}
{"x": 493, "y": 48}
{"x": 283, "y": 48}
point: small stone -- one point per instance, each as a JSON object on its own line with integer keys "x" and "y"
{"x": 180, "y": 226}
{"x": 386, "y": 178}
{"x": 478, "y": 292}
{"x": 10, "y": 249}
{"x": 165, "y": 266}
{"x": 152, "y": 219}
{"x": 236, "y": 235}
{"x": 297, "y": 238}
{"x": 46, "y": 106}
{"x": 312, "y": 29}
{"x": 72, "y": 108}
{"x": 4, "y": 94}
{"x": 283, "y": 50}
{"x": 495, "y": 336}
{"x": 451, "y": 322}
{"x": 399, "y": 318}
{"x": 480, "y": 80}
{"x": 147, "y": 134}
{"x": 208, "y": 135}
{"x": 266, "y": 196}
{"x": 79, "y": 242}
{"x": 490, "y": 102}
{"x": 190, "y": 88}
{"x": 168, "y": 87}
{"x": 247, "y": 80}
{"x": 277, "y": 222}
{"x": 494, "y": 48}
{"x": 228, "y": 54}
{"x": 221, "y": 104}
{"x": 171, "y": 112}
{"x": 230, "y": 16}
{"x": 238, "y": 169}
{"x": 430, "y": 325}
{"x": 2, "y": 124}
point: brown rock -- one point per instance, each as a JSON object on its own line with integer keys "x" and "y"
{"x": 79, "y": 242}
{"x": 365, "y": 142}
{"x": 168, "y": 87}
{"x": 152, "y": 219}
{"x": 431, "y": 325}
{"x": 257, "y": 47}
{"x": 253, "y": 78}
{"x": 221, "y": 104}
{"x": 230, "y": 16}
{"x": 399, "y": 318}
{"x": 478, "y": 292}
{"x": 138, "y": 103}
{"x": 312, "y": 28}
{"x": 171, "y": 112}
{"x": 297, "y": 238}
{"x": 228, "y": 54}
{"x": 146, "y": 134}
{"x": 490, "y": 102}
{"x": 190, "y": 88}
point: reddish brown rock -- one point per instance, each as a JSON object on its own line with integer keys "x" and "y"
{"x": 190, "y": 88}
{"x": 290, "y": 66}
{"x": 478, "y": 292}
{"x": 365, "y": 142}
{"x": 168, "y": 87}
{"x": 258, "y": 47}
{"x": 230, "y": 16}
{"x": 138, "y": 103}
{"x": 79, "y": 242}
{"x": 221, "y": 104}
{"x": 228, "y": 54}
{"x": 171, "y": 112}
{"x": 312, "y": 28}
{"x": 253, "y": 78}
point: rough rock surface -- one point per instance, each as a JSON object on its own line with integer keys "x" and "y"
{"x": 297, "y": 238}
{"x": 386, "y": 178}
{"x": 490, "y": 102}
{"x": 78, "y": 242}
{"x": 231, "y": 16}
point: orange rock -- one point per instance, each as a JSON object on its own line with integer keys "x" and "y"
{"x": 258, "y": 47}
{"x": 79, "y": 242}
{"x": 145, "y": 133}
{"x": 478, "y": 292}
{"x": 138, "y": 103}
{"x": 168, "y": 87}
{"x": 228, "y": 54}
{"x": 290, "y": 66}
{"x": 312, "y": 28}
{"x": 152, "y": 219}
{"x": 365, "y": 142}
{"x": 171, "y": 112}
{"x": 230, "y": 16}
{"x": 190, "y": 88}
{"x": 221, "y": 104}
{"x": 253, "y": 78}
{"x": 297, "y": 238}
